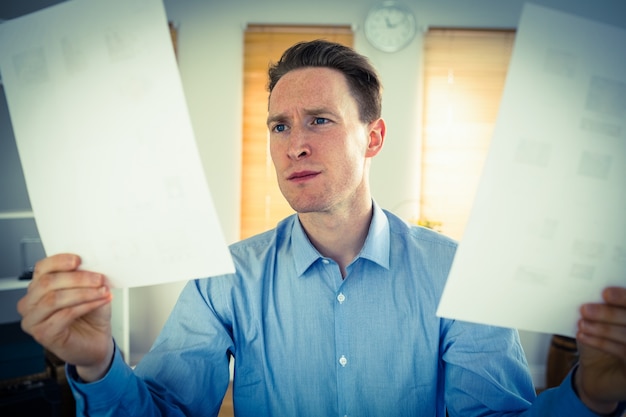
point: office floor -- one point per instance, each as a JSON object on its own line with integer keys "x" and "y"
{"x": 227, "y": 404}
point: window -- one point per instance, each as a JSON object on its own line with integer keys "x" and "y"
{"x": 464, "y": 75}
{"x": 262, "y": 204}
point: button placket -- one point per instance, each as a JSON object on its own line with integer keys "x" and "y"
{"x": 342, "y": 310}
{"x": 343, "y": 361}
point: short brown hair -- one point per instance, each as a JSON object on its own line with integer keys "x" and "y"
{"x": 363, "y": 80}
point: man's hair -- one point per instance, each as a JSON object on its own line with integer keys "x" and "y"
{"x": 361, "y": 76}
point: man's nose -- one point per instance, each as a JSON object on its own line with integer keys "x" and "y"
{"x": 299, "y": 146}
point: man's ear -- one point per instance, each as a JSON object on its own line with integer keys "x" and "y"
{"x": 376, "y": 134}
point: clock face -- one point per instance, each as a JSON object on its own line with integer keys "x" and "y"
{"x": 390, "y": 26}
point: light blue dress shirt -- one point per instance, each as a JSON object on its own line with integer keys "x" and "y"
{"x": 308, "y": 343}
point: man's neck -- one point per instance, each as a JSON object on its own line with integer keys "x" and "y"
{"x": 339, "y": 236}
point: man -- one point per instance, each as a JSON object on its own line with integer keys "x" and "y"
{"x": 332, "y": 313}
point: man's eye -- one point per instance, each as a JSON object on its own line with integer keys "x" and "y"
{"x": 320, "y": 121}
{"x": 279, "y": 128}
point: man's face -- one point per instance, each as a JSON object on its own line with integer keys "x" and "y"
{"x": 317, "y": 142}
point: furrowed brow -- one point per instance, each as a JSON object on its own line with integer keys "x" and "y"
{"x": 318, "y": 110}
{"x": 274, "y": 119}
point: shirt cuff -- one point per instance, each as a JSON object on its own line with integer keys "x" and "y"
{"x": 621, "y": 407}
{"x": 98, "y": 395}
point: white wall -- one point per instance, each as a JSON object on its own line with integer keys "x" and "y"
{"x": 210, "y": 60}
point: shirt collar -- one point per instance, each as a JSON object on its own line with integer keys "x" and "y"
{"x": 377, "y": 243}
{"x": 375, "y": 249}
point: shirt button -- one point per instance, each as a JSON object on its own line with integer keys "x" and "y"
{"x": 341, "y": 298}
{"x": 325, "y": 261}
{"x": 343, "y": 361}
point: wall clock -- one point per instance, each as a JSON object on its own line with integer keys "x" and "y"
{"x": 390, "y": 26}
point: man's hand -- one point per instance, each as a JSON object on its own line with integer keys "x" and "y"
{"x": 601, "y": 376}
{"x": 68, "y": 311}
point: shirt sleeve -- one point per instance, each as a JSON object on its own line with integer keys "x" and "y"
{"x": 102, "y": 397}
{"x": 185, "y": 373}
{"x": 485, "y": 371}
{"x": 563, "y": 401}
{"x": 487, "y": 374}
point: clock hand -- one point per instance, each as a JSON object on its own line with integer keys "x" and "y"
{"x": 391, "y": 25}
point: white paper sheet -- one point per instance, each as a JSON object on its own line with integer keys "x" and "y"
{"x": 106, "y": 144}
{"x": 548, "y": 229}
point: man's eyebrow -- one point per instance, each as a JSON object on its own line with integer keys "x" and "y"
{"x": 275, "y": 118}
{"x": 313, "y": 111}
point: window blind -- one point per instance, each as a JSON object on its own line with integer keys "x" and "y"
{"x": 464, "y": 76}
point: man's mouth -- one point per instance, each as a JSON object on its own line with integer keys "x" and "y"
{"x": 302, "y": 175}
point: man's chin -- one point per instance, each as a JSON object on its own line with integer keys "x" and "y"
{"x": 304, "y": 208}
